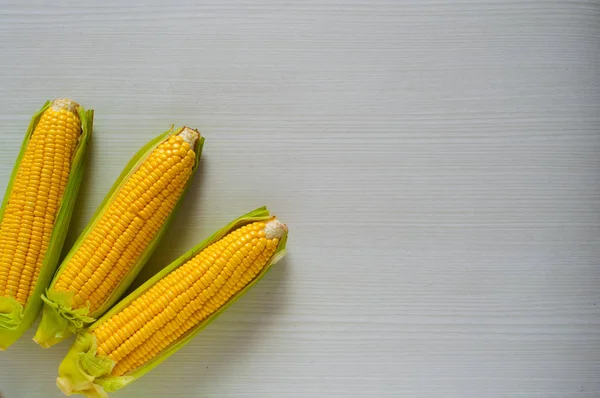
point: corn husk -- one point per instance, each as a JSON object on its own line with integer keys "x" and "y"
{"x": 84, "y": 372}
{"x": 59, "y": 318}
{"x": 14, "y": 318}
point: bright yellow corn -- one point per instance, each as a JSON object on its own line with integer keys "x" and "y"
{"x": 187, "y": 296}
{"x": 133, "y": 218}
{"x": 32, "y": 206}
{"x": 113, "y": 248}
{"x": 36, "y": 211}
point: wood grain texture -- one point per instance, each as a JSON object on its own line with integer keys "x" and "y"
{"x": 437, "y": 162}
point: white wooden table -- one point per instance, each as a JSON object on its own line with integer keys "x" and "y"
{"x": 437, "y": 162}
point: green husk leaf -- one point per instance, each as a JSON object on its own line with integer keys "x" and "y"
{"x": 75, "y": 369}
{"x": 14, "y": 318}
{"x": 59, "y": 319}
{"x": 11, "y": 313}
{"x": 80, "y": 367}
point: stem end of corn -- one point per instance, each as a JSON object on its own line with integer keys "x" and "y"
{"x": 53, "y": 328}
{"x": 93, "y": 391}
{"x": 78, "y": 372}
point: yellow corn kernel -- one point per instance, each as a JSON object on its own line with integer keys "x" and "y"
{"x": 33, "y": 203}
{"x": 186, "y": 296}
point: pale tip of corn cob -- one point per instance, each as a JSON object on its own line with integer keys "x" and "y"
{"x": 275, "y": 229}
{"x": 65, "y": 103}
{"x": 189, "y": 135}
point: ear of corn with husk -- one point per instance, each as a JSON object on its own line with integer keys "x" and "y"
{"x": 37, "y": 208}
{"x": 167, "y": 311}
{"x": 122, "y": 235}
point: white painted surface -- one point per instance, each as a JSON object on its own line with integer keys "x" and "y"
{"x": 437, "y": 162}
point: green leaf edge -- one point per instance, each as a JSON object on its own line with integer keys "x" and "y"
{"x": 14, "y": 323}
{"x": 74, "y": 369}
{"x": 59, "y": 319}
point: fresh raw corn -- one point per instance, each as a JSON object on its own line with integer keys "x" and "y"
{"x": 36, "y": 210}
{"x": 121, "y": 236}
{"x": 167, "y": 311}
{"x": 130, "y": 222}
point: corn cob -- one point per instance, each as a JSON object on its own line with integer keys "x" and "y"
{"x": 121, "y": 237}
{"x": 36, "y": 211}
{"x": 167, "y": 311}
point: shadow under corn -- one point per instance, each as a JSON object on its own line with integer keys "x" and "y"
{"x": 213, "y": 357}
